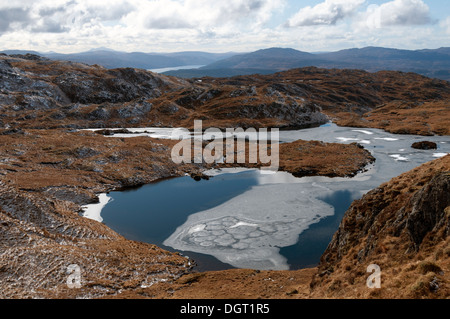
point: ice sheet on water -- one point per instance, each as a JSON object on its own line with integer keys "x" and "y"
{"x": 398, "y": 157}
{"x": 93, "y": 211}
{"x": 249, "y": 230}
{"x": 438, "y": 155}
{"x": 389, "y": 139}
{"x": 364, "y": 131}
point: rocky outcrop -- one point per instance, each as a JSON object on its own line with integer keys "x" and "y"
{"x": 42, "y": 93}
{"x": 427, "y": 208}
{"x": 425, "y": 145}
{"x": 314, "y": 158}
{"x": 113, "y": 86}
{"x": 425, "y": 117}
{"x": 403, "y": 227}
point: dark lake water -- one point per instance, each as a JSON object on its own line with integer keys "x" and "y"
{"x": 313, "y": 241}
{"x": 151, "y": 212}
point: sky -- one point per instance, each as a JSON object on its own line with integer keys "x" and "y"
{"x": 69, "y": 26}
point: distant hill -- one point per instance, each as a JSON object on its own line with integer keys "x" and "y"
{"x": 431, "y": 63}
{"x": 216, "y": 73}
{"x": 268, "y": 59}
{"x": 115, "y": 59}
{"x": 10, "y": 52}
{"x": 198, "y": 57}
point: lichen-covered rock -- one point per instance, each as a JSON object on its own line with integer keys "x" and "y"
{"x": 135, "y": 109}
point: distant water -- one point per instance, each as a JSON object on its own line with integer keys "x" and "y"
{"x": 244, "y": 219}
{"x": 175, "y": 68}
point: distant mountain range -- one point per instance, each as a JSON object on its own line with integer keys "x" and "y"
{"x": 431, "y": 63}
{"x": 115, "y": 59}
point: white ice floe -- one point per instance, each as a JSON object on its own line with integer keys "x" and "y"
{"x": 238, "y": 224}
{"x": 281, "y": 177}
{"x": 197, "y": 228}
{"x": 93, "y": 211}
{"x": 363, "y": 131}
{"x": 347, "y": 139}
{"x": 389, "y": 139}
{"x": 220, "y": 171}
{"x": 438, "y": 155}
{"x": 154, "y": 132}
{"x": 398, "y": 157}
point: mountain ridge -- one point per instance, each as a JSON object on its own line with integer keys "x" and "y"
{"x": 431, "y": 63}
{"x": 255, "y": 59}
{"x": 112, "y": 59}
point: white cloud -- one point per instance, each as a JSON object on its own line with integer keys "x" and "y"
{"x": 328, "y": 12}
{"x": 398, "y": 13}
{"x": 201, "y": 14}
{"x": 60, "y": 15}
{"x": 164, "y": 20}
{"x": 11, "y": 18}
{"x": 446, "y": 25}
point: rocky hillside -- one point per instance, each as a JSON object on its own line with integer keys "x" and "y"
{"x": 45, "y": 177}
{"x": 403, "y": 103}
{"x": 403, "y": 227}
{"x": 403, "y": 117}
{"x": 39, "y": 93}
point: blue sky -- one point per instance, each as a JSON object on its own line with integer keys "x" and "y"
{"x": 222, "y": 26}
